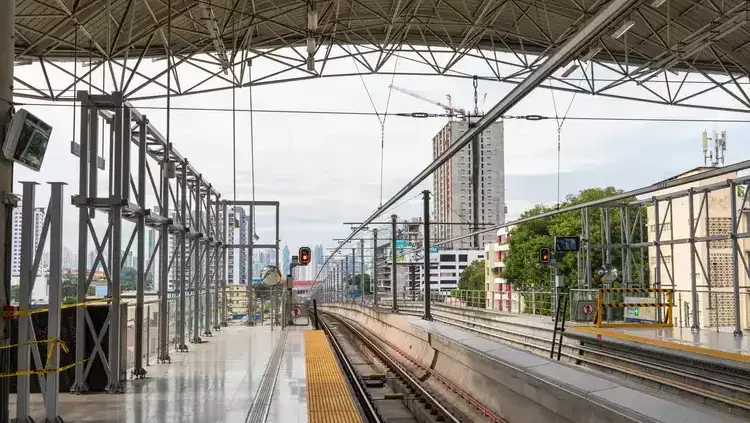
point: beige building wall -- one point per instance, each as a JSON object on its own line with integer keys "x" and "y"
{"x": 715, "y": 256}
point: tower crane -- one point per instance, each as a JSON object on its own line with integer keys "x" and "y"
{"x": 447, "y": 107}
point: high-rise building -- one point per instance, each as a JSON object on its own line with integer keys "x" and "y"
{"x": 452, "y": 186}
{"x": 17, "y": 227}
{"x": 286, "y": 260}
{"x": 237, "y": 233}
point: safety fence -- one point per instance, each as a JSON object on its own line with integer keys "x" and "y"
{"x": 715, "y": 306}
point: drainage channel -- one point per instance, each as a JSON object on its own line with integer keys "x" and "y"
{"x": 262, "y": 403}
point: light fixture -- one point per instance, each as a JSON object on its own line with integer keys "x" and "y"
{"x": 623, "y": 29}
{"x": 593, "y": 51}
{"x": 570, "y": 70}
{"x": 657, "y": 3}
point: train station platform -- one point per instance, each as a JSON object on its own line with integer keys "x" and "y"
{"x": 240, "y": 375}
{"x": 706, "y": 344}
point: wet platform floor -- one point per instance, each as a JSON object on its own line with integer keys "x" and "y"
{"x": 214, "y": 382}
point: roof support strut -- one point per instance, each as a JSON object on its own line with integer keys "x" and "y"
{"x": 609, "y": 14}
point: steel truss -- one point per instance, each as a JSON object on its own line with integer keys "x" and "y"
{"x": 665, "y": 236}
{"x": 49, "y": 373}
{"x": 170, "y": 204}
{"x": 250, "y": 247}
{"x": 681, "y": 53}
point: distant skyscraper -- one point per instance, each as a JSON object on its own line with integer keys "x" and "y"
{"x": 237, "y": 257}
{"x": 16, "y": 245}
{"x": 286, "y": 259}
{"x": 453, "y": 188}
{"x": 319, "y": 256}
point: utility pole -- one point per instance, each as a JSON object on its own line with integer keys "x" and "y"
{"x": 374, "y": 282}
{"x": 353, "y": 280}
{"x": 426, "y": 200}
{"x": 362, "y": 269}
{"x": 393, "y": 263}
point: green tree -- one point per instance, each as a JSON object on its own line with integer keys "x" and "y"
{"x": 15, "y": 293}
{"x": 522, "y": 267}
{"x": 354, "y": 283}
{"x": 472, "y": 279}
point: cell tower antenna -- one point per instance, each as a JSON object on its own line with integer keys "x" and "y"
{"x": 715, "y": 153}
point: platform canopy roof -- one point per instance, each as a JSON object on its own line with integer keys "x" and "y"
{"x": 697, "y": 37}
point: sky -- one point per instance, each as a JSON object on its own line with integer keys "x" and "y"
{"x": 325, "y": 169}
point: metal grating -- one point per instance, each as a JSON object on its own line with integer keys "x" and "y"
{"x": 259, "y": 410}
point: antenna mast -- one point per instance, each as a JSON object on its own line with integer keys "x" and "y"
{"x": 715, "y": 155}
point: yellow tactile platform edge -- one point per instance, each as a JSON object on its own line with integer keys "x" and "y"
{"x": 664, "y": 344}
{"x": 328, "y": 396}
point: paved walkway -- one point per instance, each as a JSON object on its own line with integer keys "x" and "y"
{"x": 214, "y": 382}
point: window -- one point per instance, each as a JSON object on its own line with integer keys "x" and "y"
{"x": 447, "y": 257}
{"x": 463, "y": 257}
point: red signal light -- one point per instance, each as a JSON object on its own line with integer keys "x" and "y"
{"x": 304, "y": 255}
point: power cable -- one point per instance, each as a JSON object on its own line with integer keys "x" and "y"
{"x": 559, "y": 130}
{"x": 382, "y": 129}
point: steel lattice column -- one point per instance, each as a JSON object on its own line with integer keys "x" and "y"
{"x": 138, "y": 370}
{"x": 197, "y": 261}
{"x": 164, "y": 262}
{"x": 181, "y": 319}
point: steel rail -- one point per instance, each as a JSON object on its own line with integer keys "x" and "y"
{"x": 400, "y": 371}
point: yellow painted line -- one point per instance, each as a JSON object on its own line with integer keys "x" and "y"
{"x": 664, "y": 344}
{"x": 328, "y": 397}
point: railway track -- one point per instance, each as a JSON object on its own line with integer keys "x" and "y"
{"x": 407, "y": 378}
{"x": 722, "y": 389}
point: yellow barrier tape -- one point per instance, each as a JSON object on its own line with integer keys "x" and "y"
{"x": 43, "y": 341}
{"x": 43, "y": 371}
{"x": 45, "y": 310}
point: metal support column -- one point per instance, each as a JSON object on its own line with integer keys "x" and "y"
{"x": 26, "y": 285}
{"x": 218, "y": 284}
{"x": 374, "y": 281}
{"x": 197, "y": 273}
{"x": 394, "y": 274}
{"x": 88, "y": 117}
{"x": 353, "y": 280}
{"x": 250, "y": 287}
{"x": 138, "y": 370}
{"x": 7, "y": 56}
{"x": 427, "y": 288}
{"x": 224, "y": 229}
{"x": 182, "y": 318}
{"x": 346, "y": 280}
{"x": 695, "y": 325}
{"x": 209, "y": 276}
{"x": 122, "y": 118}
{"x": 362, "y": 269}
{"x": 735, "y": 260}
{"x": 163, "y": 356}
{"x": 52, "y": 390}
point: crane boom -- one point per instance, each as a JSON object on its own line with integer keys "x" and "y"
{"x": 446, "y": 107}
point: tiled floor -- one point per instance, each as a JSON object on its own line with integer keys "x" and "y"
{"x": 289, "y": 401}
{"x": 214, "y": 382}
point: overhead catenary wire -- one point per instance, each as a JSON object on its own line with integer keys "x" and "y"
{"x": 419, "y": 115}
